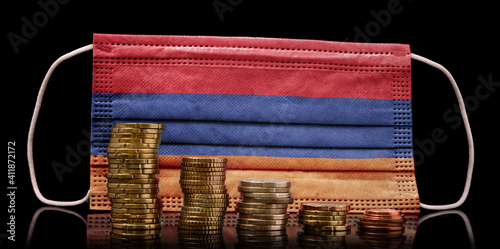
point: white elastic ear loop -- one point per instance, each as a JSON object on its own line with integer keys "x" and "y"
{"x": 458, "y": 212}
{"x": 31, "y": 133}
{"x": 468, "y": 132}
{"x": 34, "y": 219}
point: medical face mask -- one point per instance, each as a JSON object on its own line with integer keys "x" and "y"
{"x": 334, "y": 118}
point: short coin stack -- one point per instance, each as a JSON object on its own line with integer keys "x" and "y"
{"x": 323, "y": 223}
{"x": 262, "y": 214}
{"x": 133, "y": 184}
{"x": 205, "y": 201}
{"x": 381, "y": 223}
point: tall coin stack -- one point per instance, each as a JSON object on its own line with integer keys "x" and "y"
{"x": 382, "y": 227}
{"x": 262, "y": 214}
{"x": 203, "y": 183}
{"x": 136, "y": 208}
{"x": 323, "y": 224}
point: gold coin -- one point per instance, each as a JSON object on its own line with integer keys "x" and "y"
{"x": 198, "y": 232}
{"x": 268, "y": 200}
{"x": 136, "y": 181}
{"x": 262, "y": 222}
{"x": 136, "y": 226}
{"x": 134, "y": 145}
{"x": 203, "y": 242}
{"x": 207, "y": 237}
{"x": 132, "y": 185}
{"x": 262, "y": 190}
{"x": 325, "y": 233}
{"x": 203, "y": 213}
{"x": 135, "y": 171}
{"x": 199, "y": 227}
{"x": 133, "y": 190}
{"x": 318, "y": 238}
{"x": 203, "y": 173}
{"x": 125, "y": 130}
{"x": 136, "y": 130}
{"x": 186, "y": 222}
{"x": 265, "y": 183}
{"x": 131, "y": 151}
{"x": 129, "y": 176}
{"x": 203, "y": 209}
{"x": 242, "y": 204}
{"x": 201, "y": 183}
{"x": 135, "y": 221}
{"x": 267, "y": 195}
{"x": 207, "y": 196}
{"x": 214, "y": 241}
{"x": 135, "y": 205}
{"x": 128, "y": 196}
{"x": 133, "y": 166}
{"x": 322, "y": 213}
{"x": 207, "y": 204}
{"x": 135, "y": 135}
{"x": 205, "y": 159}
{"x": 203, "y": 177}
{"x": 261, "y": 232}
{"x": 140, "y": 125}
{"x": 327, "y": 228}
{"x": 201, "y": 218}
{"x": 323, "y": 206}
{"x": 208, "y": 186}
{"x": 131, "y": 156}
{"x": 204, "y": 200}
{"x": 134, "y": 161}
{"x": 318, "y": 217}
{"x": 260, "y": 227}
{"x": 203, "y": 191}
{"x": 135, "y": 140}
{"x": 136, "y": 216}
{"x": 208, "y": 166}
{"x": 138, "y": 201}
{"x": 263, "y": 216}
{"x": 135, "y": 211}
{"x": 135, "y": 231}
{"x": 203, "y": 169}
{"x": 261, "y": 210}
{"x": 253, "y": 238}
{"x": 322, "y": 222}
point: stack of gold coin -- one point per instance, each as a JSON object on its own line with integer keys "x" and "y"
{"x": 381, "y": 224}
{"x": 262, "y": 214}
{"x": 136, "y": 208}
{"x": 203, "y": 183}
{"x": 323, "y": 223}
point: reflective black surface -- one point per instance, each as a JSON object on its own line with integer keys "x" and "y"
{"x": 460, "y": 36}
{"x": 52, "y": 227}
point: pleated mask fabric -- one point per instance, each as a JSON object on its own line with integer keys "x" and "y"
{"x": 334, "y": 118}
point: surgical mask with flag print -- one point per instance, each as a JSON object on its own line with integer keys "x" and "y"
{"x": 334, "y": 118}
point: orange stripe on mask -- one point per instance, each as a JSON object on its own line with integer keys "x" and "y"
{"x": 289, "y": 163}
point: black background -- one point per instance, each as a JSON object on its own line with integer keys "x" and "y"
{"x": 462, "y": 36}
